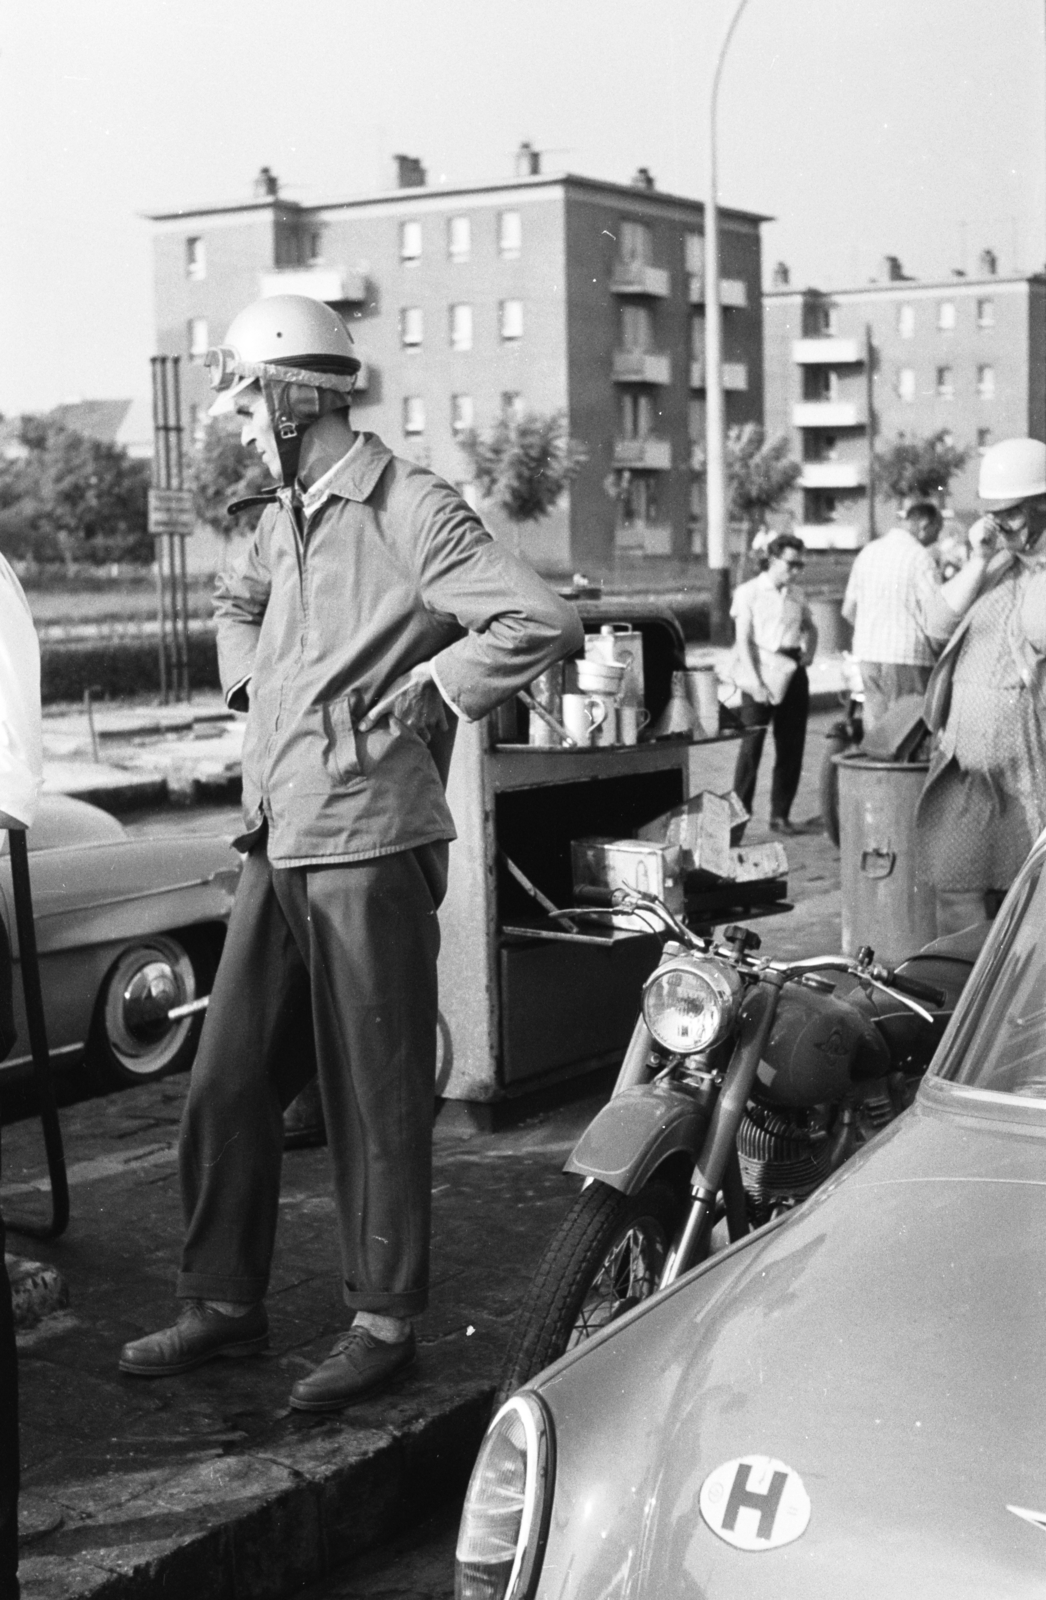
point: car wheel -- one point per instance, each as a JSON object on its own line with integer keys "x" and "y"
{"x": 604, "y": 1259}
{"x": 132, "y": 1039}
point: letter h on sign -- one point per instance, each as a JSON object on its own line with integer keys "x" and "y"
{"x": 766, "y": 1504}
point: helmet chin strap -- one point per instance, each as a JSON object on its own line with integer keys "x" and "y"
{"x": 287, "y": 428}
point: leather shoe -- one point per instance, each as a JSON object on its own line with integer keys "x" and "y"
{"x": 200, "y": 1334}
{"x": 357, "y": 1364}
{"x": 782, "y": 825}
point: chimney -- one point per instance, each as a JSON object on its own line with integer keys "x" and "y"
{"x": 266, "y": 185}
{"x": 989, "y": 263}
{"x": 643, "y": 178}
{"x": 408, "y": 172}
{"x": 528, "y": 160}
{"x": 890, "y": 268}
{"x": 781, "y": 277}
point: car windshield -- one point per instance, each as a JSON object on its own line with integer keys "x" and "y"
{"x": 997, "y": 1040}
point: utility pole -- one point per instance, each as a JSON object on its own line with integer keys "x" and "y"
{"x": 715, "y": 429}
{"x": 869, "y": 358}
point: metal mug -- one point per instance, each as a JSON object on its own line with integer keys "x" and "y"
{"x": 590, "y": 719}
{"x": 631, "y": 719}
{"x": 548, "y": 692}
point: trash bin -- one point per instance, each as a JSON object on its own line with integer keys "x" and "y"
{"x": 884, "y": 901}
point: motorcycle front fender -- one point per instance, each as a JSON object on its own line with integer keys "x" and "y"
{"x": 635, "y": 1132}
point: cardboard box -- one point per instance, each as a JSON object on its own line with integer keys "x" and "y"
{"x": 655, "y": 868}
{"x": 701, "y": 829}
{"x": 758, "y": 861}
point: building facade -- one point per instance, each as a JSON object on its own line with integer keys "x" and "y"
{"x": 542, "y": 293}
{"x": 849, "y": 370}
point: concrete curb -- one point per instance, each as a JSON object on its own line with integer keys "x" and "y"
{"x": 256, "y": 1524}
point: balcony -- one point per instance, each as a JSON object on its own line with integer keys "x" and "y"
{"x": 735, "y": 376}
{"x": 828, "y": 352}
{"x": 635, "y": 277}
{"x": 830, "y": 536}
{"x": 319, "y": 283}
{"x": 641, "y": 366}
{"x": 827, "y": 414}
{"x": 733, "y": 292}
{"x": 653, "y": 455}
{"x": 833, "y": 475}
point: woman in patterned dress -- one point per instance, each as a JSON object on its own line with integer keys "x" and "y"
{"x": 985, "y": 797}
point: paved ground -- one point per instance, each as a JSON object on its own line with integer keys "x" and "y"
{"x": 208, "y": 1484}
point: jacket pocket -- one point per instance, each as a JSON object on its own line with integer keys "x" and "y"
{"x": 340, "y": 755}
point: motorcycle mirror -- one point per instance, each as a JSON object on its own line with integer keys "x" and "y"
{"x": 742, "y": 939}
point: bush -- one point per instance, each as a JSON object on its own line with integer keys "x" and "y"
{"x": 119, "y": 669}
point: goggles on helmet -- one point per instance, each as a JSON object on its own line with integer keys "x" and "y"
{"x": 230, "y": 374}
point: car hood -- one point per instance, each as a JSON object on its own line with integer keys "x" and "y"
{"x": 886, "y": 1344}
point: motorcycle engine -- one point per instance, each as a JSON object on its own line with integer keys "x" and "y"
{"x": 785, "y": 1154}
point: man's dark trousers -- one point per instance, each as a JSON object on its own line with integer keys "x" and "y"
{"x": 346, "y": 955}
{"x": 788, "y": 721}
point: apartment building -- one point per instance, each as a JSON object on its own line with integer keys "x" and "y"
{"x": 540, "y": 292}
{"x": 848, "y": 370}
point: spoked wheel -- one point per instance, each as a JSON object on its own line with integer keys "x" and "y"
{"x": 605, "y": 1258}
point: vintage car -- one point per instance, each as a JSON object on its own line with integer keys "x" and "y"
{"x": 849, "y": 1402}
{"x": 127, "y": 929}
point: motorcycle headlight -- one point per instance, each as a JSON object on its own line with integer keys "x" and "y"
{"x": 505, "y": 1520}
{"x": 690, "y": 1005}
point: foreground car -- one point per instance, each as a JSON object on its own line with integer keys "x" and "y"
{"x": 126, "y": 929}
{"x": 851, "y": 1402}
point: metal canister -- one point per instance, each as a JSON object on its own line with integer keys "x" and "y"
{"x": 547, "y": 690}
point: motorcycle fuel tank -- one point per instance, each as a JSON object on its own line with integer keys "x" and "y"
{"x": 819, "y": 1047}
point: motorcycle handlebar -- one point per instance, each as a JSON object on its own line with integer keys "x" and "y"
{"x": 919, "y": 991}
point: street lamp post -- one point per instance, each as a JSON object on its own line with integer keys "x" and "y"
{"x": 715, "y": 440}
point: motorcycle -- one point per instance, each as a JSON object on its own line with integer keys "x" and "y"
{"x": 746, "y": 1083}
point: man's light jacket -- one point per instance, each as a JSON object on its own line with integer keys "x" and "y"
{"x": 386, "y": 567}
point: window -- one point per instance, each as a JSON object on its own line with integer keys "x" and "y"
{"x": 984, "y": 439}
{"x": 696, "y": 420}
{"x": 820, "y": 384}
{"x": 986, "y": 383}
{"x": 411, "y": 327}
{"x": 462, "y": 413}
{"x": 461, "y": 327}
{"x": 906, "y": 384}
{"x": 510, "y": 234}
{"x": 511, "y": 319}
{"x": 694, "y": 246}
{"x": 637, "y": 327}
{"x": 986, "y": 313}
{"x": 945, "y": 383}
{"x": 413, "y": 414}
{"x": 410, "y": 241}
{"x": 946, "y": 316}
{"x": 198, "y": 340}
{"x": 512, "y": 403}
{"x": 634, "y": 242}
{"x": 697, "y": 338}
{"x": 315, "y": 250}
{"x": 459, "y": 238}
{"x": 195, "y": 258}
{"x": 829, "y": 319}
{"x": 635, "y": 415}
{"x": 906, "y": 321}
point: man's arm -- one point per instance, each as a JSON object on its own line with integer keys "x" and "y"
{"x": 240, "y": 598}
{"x": 516, "y": 625}
{"x": 746, "y": 652}
{"x": 808, "y": 635}
{"x": 850, "y": 599}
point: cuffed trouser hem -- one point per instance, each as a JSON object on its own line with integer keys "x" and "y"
{"x": 410, "y": 1304}
{"x": 238, "y": 1291}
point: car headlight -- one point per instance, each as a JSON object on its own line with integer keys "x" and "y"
{"x": 505, "y": 1520}
{"x": 691, "y": 1004}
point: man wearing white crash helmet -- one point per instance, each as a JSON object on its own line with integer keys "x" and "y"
{"x": 371, "y": 610}
{"x": 985, "y": 797}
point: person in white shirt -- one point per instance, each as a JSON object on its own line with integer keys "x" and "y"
{"x": 893, "y": 582}
{"x": 775, "y": 643}
{"x": 20, "y": 776}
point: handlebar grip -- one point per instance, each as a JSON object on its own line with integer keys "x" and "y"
{"x": 919, "y": 991}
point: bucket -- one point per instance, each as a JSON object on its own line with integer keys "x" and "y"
{"x": 600, "y": 677}
{"x": 620, "y": 642}
{"x": 885, "y": 903}
{"x": 702, "y": 690}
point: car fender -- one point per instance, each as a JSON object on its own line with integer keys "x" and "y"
{"x": 634, "y": 1133}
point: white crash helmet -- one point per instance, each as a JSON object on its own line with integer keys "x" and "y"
{"x": 287, "y": 338}
{"x": 1011, "y": 471}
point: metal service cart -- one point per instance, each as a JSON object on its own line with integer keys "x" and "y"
{"x": 519, "y": 1013}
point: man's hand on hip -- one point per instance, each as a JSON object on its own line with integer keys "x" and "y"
{"x": 412, "y": 700}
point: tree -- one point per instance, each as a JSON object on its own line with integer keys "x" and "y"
{"x": 760, "y": 474}
{"x": 221, "y": 470}
{"x": 73, "y": 498}
{"x": 523, "y": 463}
{"x": 914, "y": 468}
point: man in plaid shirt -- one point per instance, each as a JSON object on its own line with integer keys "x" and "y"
{"x": 892, "y": 582}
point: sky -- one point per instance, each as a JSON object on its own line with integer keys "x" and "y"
{"x": 863, "y": 127}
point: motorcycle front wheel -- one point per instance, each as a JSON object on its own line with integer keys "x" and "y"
{"x": 605, "y": 1257}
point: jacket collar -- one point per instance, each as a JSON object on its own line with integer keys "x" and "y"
{"x": 355, "y": 476}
